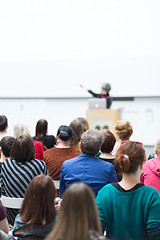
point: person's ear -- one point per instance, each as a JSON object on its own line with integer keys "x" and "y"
{"x": 0, "y": 149}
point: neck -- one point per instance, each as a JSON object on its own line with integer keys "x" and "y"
{"x": 2, "y": 158}
{"x": 130, "y": 180}
{"x": 62, "y": 144}
{"x": 3, "y": 132}
{"x": 107, "y": 155}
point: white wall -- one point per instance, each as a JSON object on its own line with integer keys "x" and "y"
{"x": 143, "y": 113}
{"x": 49, "y": 47}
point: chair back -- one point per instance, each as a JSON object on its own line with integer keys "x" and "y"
{"x": 9, "y": 202}
{"x": 56, "y": 184}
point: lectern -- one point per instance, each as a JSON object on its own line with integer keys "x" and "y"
{"x": 103, "y": 119}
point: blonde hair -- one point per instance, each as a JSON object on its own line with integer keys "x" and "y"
{"x": 20, "y": 129}
{"x": 157, "y": 146}
{"x": 78, "y": 215}
{"x": 123, "y": 129}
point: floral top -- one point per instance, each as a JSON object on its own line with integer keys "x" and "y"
{"x": 23, "y": 229}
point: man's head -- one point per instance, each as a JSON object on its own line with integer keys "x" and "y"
{"x": 6, "y": 144}
{"x": 3, "y": 123}
{"x": 91, "y": 142}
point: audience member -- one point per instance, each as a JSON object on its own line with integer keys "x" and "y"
{"x": 78, "y": 217}
{"x": 78, "y": 129}
{"x": 3, "y": 126}
{"x": 86, "y": 167}
{"x": 124, "y": 131}
{"x": 151, "y": 170}
{"x": 6, "y": 144}
{"x": 37, "y": 214}
{"x": 55, "y": 156}
{"x": 21, "y": 129}
{"x": 84, "y": 123}
{"x": 19, "y": 170}
{"x": 106, "y": 149}
{"x": 48, "y": 141}
{"x": 128, "y": 209}
{"x": 107, "y": 146}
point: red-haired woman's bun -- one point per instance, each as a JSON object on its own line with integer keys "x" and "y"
{"x": 122, "y": 163}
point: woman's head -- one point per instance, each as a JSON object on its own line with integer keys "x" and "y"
{"x": 129, "y": 156}
{"x": 109, "y": 141}
{"x": 105, "y": 88}
{"x": 38, "y": 204}
{"x": 157, "y": 147}
{"x": 41, "y": 129}
{"x": 65, "y": 133}
{"x": 123, "y": 129}
{"x": 77, "y": 215}
{"x": 23, "y": 149}
{"x": 84, "y": 123}
{"x": 77, "y": 127}
{"x": 20, "y": 129}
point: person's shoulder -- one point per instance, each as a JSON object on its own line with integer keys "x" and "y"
{"x": 148, "y": 189}
{"x": 75, "y": 150}
{"x": 36, "y": 161}
{"x": 49, "y": 151}
{"x": 70, "y": 161}
{"x": 106, "y": 164}
{"x": 107, "y": 189}
{"x": 7, "y": 161}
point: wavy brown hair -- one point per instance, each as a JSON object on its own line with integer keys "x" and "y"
{"x": 38, "y": 204}
{"x": 123, "y": 129}
{"x": 77, "y": 216}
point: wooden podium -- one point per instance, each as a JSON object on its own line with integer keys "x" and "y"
{"x": 103, "y": 119}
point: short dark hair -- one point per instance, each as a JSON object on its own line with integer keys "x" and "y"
{"x": 3, "y": 122}
{"x": 91, "y": 141}
{"x": 109, "y": 141}
{"x": 6, "y": 144}
{"x": 65, "y": 133}
{"x": 23, "y": 149}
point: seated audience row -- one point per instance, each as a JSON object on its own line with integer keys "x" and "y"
{"x": 77, "y": 217}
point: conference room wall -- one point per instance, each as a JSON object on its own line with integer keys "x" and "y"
{"x": 143, "y": 113}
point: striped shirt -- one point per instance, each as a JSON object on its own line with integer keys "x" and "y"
{"x": 15, "y": 177}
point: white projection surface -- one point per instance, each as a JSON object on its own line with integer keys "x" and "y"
{"x": 48, "y": 48}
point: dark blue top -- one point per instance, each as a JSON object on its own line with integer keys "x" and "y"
{"x": 88, "y": 169}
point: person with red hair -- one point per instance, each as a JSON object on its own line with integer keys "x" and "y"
{"x": 128, "y": 209}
